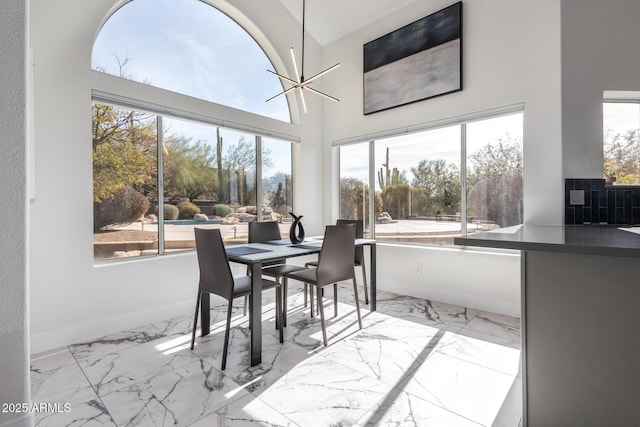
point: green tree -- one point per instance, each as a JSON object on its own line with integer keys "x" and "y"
{"x": 189, "y": 168}
{"x": 124, "y": 143}
{"x": 440, "y": 184}
{"x": 503, "y": 156}
{"x": 622, "y": 156}
{"x": 494, "y": 180}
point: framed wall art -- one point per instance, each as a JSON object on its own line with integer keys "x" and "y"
{"x": 418, "y": 61}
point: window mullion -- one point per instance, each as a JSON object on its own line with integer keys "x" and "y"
{"x": 258, "y": 178}
{"x": 463, "y": 179}
{"x": 160, "y": 159}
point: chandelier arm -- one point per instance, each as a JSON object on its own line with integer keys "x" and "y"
{"x": 322, "y": 94}
{"x": 295, "y": 66}
{"x": 304, "y": 104}
{"x": 284, "y": 92}
{"x": 283, "y": 77}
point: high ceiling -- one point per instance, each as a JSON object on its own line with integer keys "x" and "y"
{"x": 330, "y": 20}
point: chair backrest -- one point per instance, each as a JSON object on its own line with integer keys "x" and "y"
{"x": 335, "y": 262}
{"x": 359, "y": 257}
{"x": 215, "y": 272}
{"x": 260, "y": 232}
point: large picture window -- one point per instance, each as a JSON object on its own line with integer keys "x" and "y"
{"x": 161, "y": 168}
{"x": 207, "y": 175}
{"x": 438, "y": 183}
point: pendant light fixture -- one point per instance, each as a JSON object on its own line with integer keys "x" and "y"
{"x": 300, "y": 82}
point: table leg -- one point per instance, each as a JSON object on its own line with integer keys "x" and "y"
{"x": 372, "y": 297}
{"x": 205, "y": 305}
{"x": 256, "y": 314}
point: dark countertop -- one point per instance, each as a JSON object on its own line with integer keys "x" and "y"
{"x": 604, "y": 240}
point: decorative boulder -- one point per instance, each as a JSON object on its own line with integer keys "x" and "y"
{"x": 200, "y": 217}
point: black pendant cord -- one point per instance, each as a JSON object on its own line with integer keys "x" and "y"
{"x": 302, "y": 64}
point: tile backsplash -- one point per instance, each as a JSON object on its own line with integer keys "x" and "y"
{"x": 603, "y": 204}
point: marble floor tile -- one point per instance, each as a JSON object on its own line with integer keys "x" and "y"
{"x": 466, "y": 389}
{"x": 248, "y": 411}
{"x": 71, "y": 398}
{"x": 177, "y": 397}
{"x": 52, "y": 359}
{"x": 277, "y": 358}
{"x": 490, "y": 351}
{"x": 399, "y": 408}
{"x": 427, "y": 312}
{"x": 118, "y": 342}
{"x": 378, "y": 356}
{"x": 323, "y": 392}
{"x": 497, "y": 325}
{"x": 416, "y": 362}
{"x": 114, "y": 370}
{"x": 306, "y": 331}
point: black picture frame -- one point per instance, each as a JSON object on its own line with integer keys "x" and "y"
{"x": 419, "y": 61}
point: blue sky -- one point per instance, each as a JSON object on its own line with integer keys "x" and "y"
{"x": 406, "y": 151}
{"x": 190, "y": 47}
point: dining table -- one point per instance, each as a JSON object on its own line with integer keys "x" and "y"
{"x": 254, "y": 255}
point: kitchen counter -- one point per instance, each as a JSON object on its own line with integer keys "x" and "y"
{"x": 580, "y": 293}
{"x": 606, "y": 240}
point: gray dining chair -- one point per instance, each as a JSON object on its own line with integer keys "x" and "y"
{"x": 358, "y": 259}
{"x": 260, "y": 232}
{"x": 216, "y": 278}
{"x": 335, "y": 264}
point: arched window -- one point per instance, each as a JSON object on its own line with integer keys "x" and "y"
{"x": 160, "y": 171}
{"x": 189, "y": 47}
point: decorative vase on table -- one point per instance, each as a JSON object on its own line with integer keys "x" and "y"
{"x": 296, "y": 232}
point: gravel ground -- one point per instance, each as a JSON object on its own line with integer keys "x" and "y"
{"x": 125, "y": 236}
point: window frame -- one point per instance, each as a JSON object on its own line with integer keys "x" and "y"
{"x": 372, "y": 138}
{"x": 161, "y": 113}
{"x": 618, "y": 97}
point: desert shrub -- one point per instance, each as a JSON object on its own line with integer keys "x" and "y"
{"x": 187, "y": 209}
{"x": 222, "y": 210}
{"x": 126, "y": 206}
{"x": 171, "y": 212}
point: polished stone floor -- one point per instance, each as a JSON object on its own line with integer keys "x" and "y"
{"x": 415, "y": 363}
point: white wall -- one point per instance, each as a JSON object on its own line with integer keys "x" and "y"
{"x": 71, "y": 298}
{"x": 511, "y": 54}
{"x": 14, "y": 338}
{"x": 600, "y": 52}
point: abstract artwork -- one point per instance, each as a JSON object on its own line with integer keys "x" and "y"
{"x": 416, "y": 62}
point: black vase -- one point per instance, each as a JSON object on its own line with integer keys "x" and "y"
{"x": 296, "y": 232}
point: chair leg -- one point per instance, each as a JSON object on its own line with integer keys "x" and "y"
{"x": 278, "y": 302}
{"x": 355, "y": 291}
{"x": 246, "y": 302}
{"x": 335, "y": 300}
{"x": 311, "y": 298}
{"x": 364, "y": 281}
{"x": 195, "y": 321}
{"x": 226, "y": 335}
{"x": 305, "y": 294}
{"x": 322, "y": 319}
{"x": 284, "y": 301}
{"x": 279, "y": 313}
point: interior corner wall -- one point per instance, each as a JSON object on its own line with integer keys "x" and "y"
{"x": 599, "y": 52}
{"x": 14, "y": 336}
{"x": 511, "y": 54}
{"x": 72, "y": 298}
